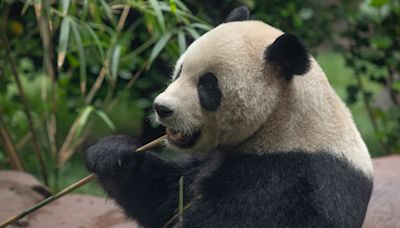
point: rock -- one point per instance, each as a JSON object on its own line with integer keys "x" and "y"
{"x": 19, "y": 191}
{"x": 384, "y": 206}
{"x": 80, "y": 211}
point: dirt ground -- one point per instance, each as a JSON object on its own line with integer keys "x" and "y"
{"x": 384, "y": 207}
{"x": 19, "y": 191}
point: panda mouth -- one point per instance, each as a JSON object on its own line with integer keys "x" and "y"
{"x": 181, "y": 139}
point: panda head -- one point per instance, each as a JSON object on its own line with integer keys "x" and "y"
{"x": 227, "y": 83}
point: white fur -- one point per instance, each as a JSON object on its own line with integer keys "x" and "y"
{"x": 260, "y": 111}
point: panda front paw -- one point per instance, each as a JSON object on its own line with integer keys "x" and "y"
{"x": 111, "y": 156}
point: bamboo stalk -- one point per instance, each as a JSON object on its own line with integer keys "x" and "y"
{"x": 123, "y": 17}
{"x": 42, "y": 18}
{"x": 180, "y": 206}
{"x": 72, "y": 187}
{"x": 25, "y": 104}
{"x": 9, "y": 146}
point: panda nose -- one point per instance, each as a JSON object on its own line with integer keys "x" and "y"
{"x": 162, "y": 111}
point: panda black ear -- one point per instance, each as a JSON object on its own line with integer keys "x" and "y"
{"x": 240, "y": 13}
{"x": 290, "y": 54}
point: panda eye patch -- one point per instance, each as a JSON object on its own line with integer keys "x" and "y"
{"x": 208, "y": 81}
{"x": 209, "y": 93}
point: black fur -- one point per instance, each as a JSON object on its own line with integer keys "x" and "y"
{"x": 290, "y": 189}
{"x": 240, "y": 13}
{"x": 290, "y": 54}
{"x": 209, "y": 93}
{"x": 162, "y": 111}
{"x": 143, "y": 184}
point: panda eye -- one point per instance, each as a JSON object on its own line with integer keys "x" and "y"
{"x": 209, "y": 94}
{"x": 208, "y": 82}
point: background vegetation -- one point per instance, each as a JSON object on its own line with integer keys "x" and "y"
{"x": 72, "y": 71}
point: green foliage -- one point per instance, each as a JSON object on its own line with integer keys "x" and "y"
{"x": 88, "y": 68}
{"x": 373, "y": 54}
{"x": 312, "y": 20}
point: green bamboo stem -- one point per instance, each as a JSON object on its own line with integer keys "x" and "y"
{"x": 71, "y": 188}
{"x": 180, "y": 201}
{"x": 173, "y": 218}
{"x": 42, "y": 18}
{"x": 25, "y": 104}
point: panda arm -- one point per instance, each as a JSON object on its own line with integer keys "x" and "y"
{"x": 143, "y": 184}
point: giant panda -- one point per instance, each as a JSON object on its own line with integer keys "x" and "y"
{"x": 268, "y": 142}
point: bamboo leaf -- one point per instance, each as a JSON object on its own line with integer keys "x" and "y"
{"x": 63, "y": 41}
{"x": 172, "y": 5}
{"x": 115, "y": 61}
{"x": 185, "y": 16}
{"x": 181, "y": 42}
{"x": 192, "y": 32}
{"x": 107, "y": 10}
{"x": 144, "y": 46}
{"x": 83, "y": 119}
{"x": 95, "y": 13}
{"x": 159, "y": 14}
{"x": 182, "y": 6}
{"x": 65, "y": 7}
{"x": 26, "y": 6}
{"x": 85, "y": 9}
{"x": 96, "y": 39}
{"x": 158, "y": 47}
{"x": 205, "y": 27}
{"x": 106, "y": 119}
{"x": 81, "y": 54}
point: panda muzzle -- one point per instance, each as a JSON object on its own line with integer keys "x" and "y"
{"x": 181, "y": 139}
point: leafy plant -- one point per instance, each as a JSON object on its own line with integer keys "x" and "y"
{"x": 373, "y": 54}
{"x": 79, "y": 63}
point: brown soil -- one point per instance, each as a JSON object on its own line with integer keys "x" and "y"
{"x": 19, "y": 191}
